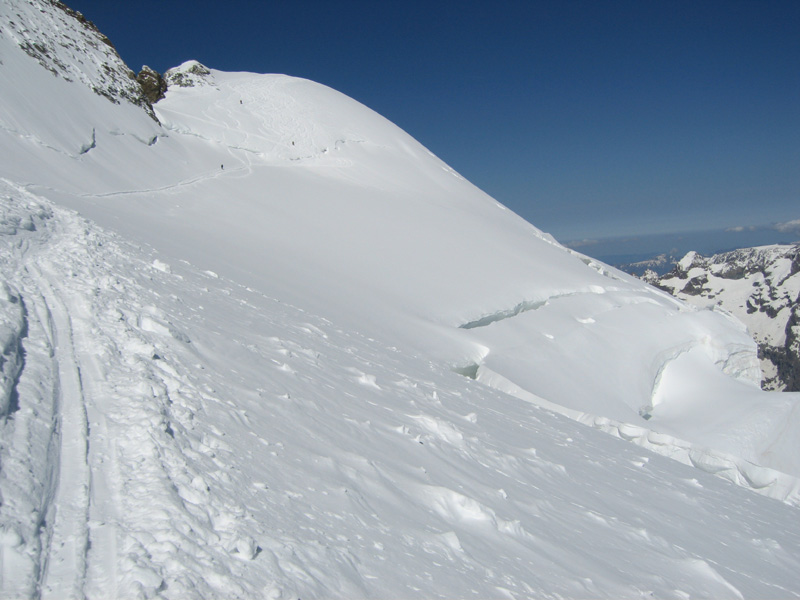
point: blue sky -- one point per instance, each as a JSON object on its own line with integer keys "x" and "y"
{"x": 589, "y": 119}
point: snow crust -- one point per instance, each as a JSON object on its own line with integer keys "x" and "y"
{"x": 282, "y": 350}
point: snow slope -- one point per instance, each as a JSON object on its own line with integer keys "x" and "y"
{"x": 262, "y": 383}
{"x": 334, "y": 208}
{"x": 242, "y": 447}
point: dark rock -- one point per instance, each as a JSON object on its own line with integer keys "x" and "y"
{"x": 83, "y": 21}
{"x": 153, "y": 85}
{"x": 76, "y": 35}
{"x": 189, "y": 74}
{"x": 732, "y": 272}
{"x": 695, "y": 286}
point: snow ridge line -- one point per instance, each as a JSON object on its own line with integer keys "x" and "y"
{"x": 35, "y": 140}
{"x": 501, "y": 315}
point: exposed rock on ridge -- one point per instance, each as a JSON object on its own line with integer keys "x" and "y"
{"x": 153, "y": 85}
{"x": 189, "y": 74}
{"x": 61, "y": 48}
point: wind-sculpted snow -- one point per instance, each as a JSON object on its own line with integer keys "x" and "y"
{"x": 312, "y": 360}
{"x": 766, "y": 481}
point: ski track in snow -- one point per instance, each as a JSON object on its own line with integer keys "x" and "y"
{"x": 67, "y": 515}
{"x": 88, "y": 501}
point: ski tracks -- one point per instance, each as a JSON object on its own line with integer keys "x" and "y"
{"x": 85, "y": 516}
{"x": 47, "y": 451}
{"x": 64, "y": 567}
{"x": 119, "y": 501}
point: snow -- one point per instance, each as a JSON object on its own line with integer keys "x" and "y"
{"x": 686, "y": 262}
{"x": 272, "y": 347}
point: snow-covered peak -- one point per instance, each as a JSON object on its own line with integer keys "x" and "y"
{"x": 687, "y": 261}
{"x": 294, "y": 189}
{"x": 189, "y": 74}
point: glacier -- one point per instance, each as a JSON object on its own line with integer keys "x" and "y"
{"x": 259, "y": 342}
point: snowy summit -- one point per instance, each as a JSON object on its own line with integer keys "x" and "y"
{"x": 259, "y": 342}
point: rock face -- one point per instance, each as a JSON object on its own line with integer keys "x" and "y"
{"x": 761, "y": 287}
{"x": 153, "y": 85}
{"x": 58, "y": 45}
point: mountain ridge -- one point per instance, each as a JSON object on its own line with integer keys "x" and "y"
{"x": 762, "y": 290}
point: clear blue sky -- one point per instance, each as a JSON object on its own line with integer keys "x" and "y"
{"x": 588, "y": 118}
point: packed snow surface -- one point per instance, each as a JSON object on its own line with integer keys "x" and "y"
{"x": 269, "y": 346}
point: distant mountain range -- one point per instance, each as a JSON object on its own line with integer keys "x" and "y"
{"x": 659, "y": 265}
{"x": 659, "y": 252}
{"x": 761, "y": 287}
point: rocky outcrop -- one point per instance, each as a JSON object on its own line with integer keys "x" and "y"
{"x": 70, "y": 46}
{"x": 153, "y": 85}
{"x": 760, "y": 286}
{"x": 189, "y": 74}
{"x": 82, "y": 20}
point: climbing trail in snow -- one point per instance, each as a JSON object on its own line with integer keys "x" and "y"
{"x": 291, "y": 130}
{"x": 67, "y": 514}
{"x": 107, "y": 395}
